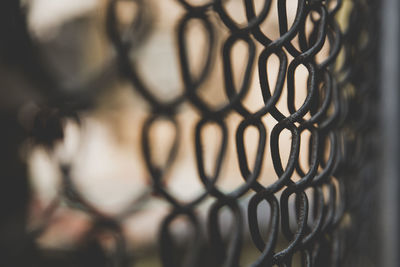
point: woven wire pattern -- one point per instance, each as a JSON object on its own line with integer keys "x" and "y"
{"x": 337, "y": 114}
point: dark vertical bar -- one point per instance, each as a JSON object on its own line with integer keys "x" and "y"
{"x": 14, "y": 188}
{"x": 391, "y": 133}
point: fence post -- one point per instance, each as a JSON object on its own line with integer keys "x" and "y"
{"x": 390, "y": 126}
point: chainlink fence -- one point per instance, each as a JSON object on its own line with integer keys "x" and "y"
{"x": 312, "y": 207}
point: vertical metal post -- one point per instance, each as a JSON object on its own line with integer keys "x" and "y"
{"x": 390, "y": 45}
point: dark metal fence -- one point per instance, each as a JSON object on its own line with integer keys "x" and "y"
{"x": 322, "y": 218}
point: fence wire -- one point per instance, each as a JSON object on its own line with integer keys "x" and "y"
{"x": 332, "y": 197}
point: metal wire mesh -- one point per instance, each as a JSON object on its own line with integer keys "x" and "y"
{"x": 317, "y": 210}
